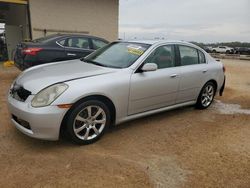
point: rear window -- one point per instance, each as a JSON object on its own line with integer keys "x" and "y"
{"x": 44, "y": 39}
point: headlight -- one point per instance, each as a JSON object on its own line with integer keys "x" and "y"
{"x": 48, "y": 95}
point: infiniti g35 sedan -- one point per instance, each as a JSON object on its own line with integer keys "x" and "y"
{"x": 119, "y": 82}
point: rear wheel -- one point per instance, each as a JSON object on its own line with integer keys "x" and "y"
{"x": 88, "y": 121}
{"x": 206, "y": 96}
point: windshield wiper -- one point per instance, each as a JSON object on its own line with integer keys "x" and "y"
{"x": 97, "y": 63}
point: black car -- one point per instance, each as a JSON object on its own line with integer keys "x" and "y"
{"x": 58, "y": 47}
{"x": 242, "y": 50}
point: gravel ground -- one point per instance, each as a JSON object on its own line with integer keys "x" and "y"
{"x": 180, "y": 148}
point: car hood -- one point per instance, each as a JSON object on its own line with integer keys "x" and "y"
{"x": 36, "y": 78}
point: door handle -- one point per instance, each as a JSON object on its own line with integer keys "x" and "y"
{"x": 70, "y": 54}
{"x": 204, "y": 71}
{"x": 173, "y": 75}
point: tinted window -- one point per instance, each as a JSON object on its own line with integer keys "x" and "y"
{"x": 78, "y": 42}
{"x": 98, "y": 43}
{"x": 189, "y": 55}
{"x": 202, "y": 57}
{"x": 163, "y": 56}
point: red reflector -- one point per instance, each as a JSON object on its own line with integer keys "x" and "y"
{"x": 31, "y": 51}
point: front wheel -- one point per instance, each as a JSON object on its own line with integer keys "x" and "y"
{"x": 88, "y": 121}
{"x": 206, "y": 96}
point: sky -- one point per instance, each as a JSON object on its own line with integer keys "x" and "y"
{"x": 190, "y": 20}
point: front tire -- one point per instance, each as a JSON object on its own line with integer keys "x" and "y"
{"x": 88, "y": 121}
{"x": 206, "y": 96}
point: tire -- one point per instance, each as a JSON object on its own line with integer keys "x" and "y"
{"x": 227, "y": 52}
{"x": 87, "y": 122}
{"x": 206, "y": 96}
{"x": 214, "y": 51}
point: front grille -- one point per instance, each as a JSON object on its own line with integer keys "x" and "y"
{"x": 19, "y": 93}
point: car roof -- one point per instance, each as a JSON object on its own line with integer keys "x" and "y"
{"x": 59, "y": 36}
{"x": 154, "y": 42}
{"x": 80, "y": 35}
{"x": 162, "y": 42}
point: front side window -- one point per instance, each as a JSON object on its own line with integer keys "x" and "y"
{"x": 163, "y": 57}
{"x": 98, "y": 43}
{"x": 117, "y": 54}
{"x": 78, "y": 42}
{"x": 189, "y": 55}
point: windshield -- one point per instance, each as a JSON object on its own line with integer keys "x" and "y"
{"x": 117, "y": 54}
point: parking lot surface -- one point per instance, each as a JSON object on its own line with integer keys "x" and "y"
{"x": 181, "y": 148}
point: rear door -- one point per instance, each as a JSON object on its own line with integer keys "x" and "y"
{"x": 193, "y": 71}
{"x": 155, "y": 89}
{"x": 77, "y": 47}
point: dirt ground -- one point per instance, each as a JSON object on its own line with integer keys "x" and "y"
{"x": 181, "y": 148}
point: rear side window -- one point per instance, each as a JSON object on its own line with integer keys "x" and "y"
{"x": 163, "y": 56}
{"x": 62, "y": 42}
{"x": 202, "y": 58}
{"x": 189, "y": 55}
{"x": 98, "y": 44}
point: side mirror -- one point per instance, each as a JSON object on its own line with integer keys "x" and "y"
{"x": 149, "y": 67}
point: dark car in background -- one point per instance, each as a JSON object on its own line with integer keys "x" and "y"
{"x": 53, "y": 48}
{"x": 242, "y": 50}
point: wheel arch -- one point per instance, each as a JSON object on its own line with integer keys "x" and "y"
{"x": 211, "y": 80}
{"x": 214, "y": 82}
{"x": 101, "y": 98}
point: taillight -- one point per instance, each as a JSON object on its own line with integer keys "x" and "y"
{"x": 31, "y": 51}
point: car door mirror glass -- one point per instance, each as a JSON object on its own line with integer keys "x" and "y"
{"x": 149, "y": 67}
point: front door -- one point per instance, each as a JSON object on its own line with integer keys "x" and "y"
{"x": 155, "y": 89}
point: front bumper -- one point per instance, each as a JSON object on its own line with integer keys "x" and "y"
{"x": 43, "y": 123}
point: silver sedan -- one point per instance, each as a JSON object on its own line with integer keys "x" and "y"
{"x": 119, "y": 82}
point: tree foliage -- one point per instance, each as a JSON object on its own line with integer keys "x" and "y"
{"x": 229, "y": 44}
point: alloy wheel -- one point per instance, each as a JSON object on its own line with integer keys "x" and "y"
{"x": 207, "y": 95}
{"x": 89, "y": 122}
